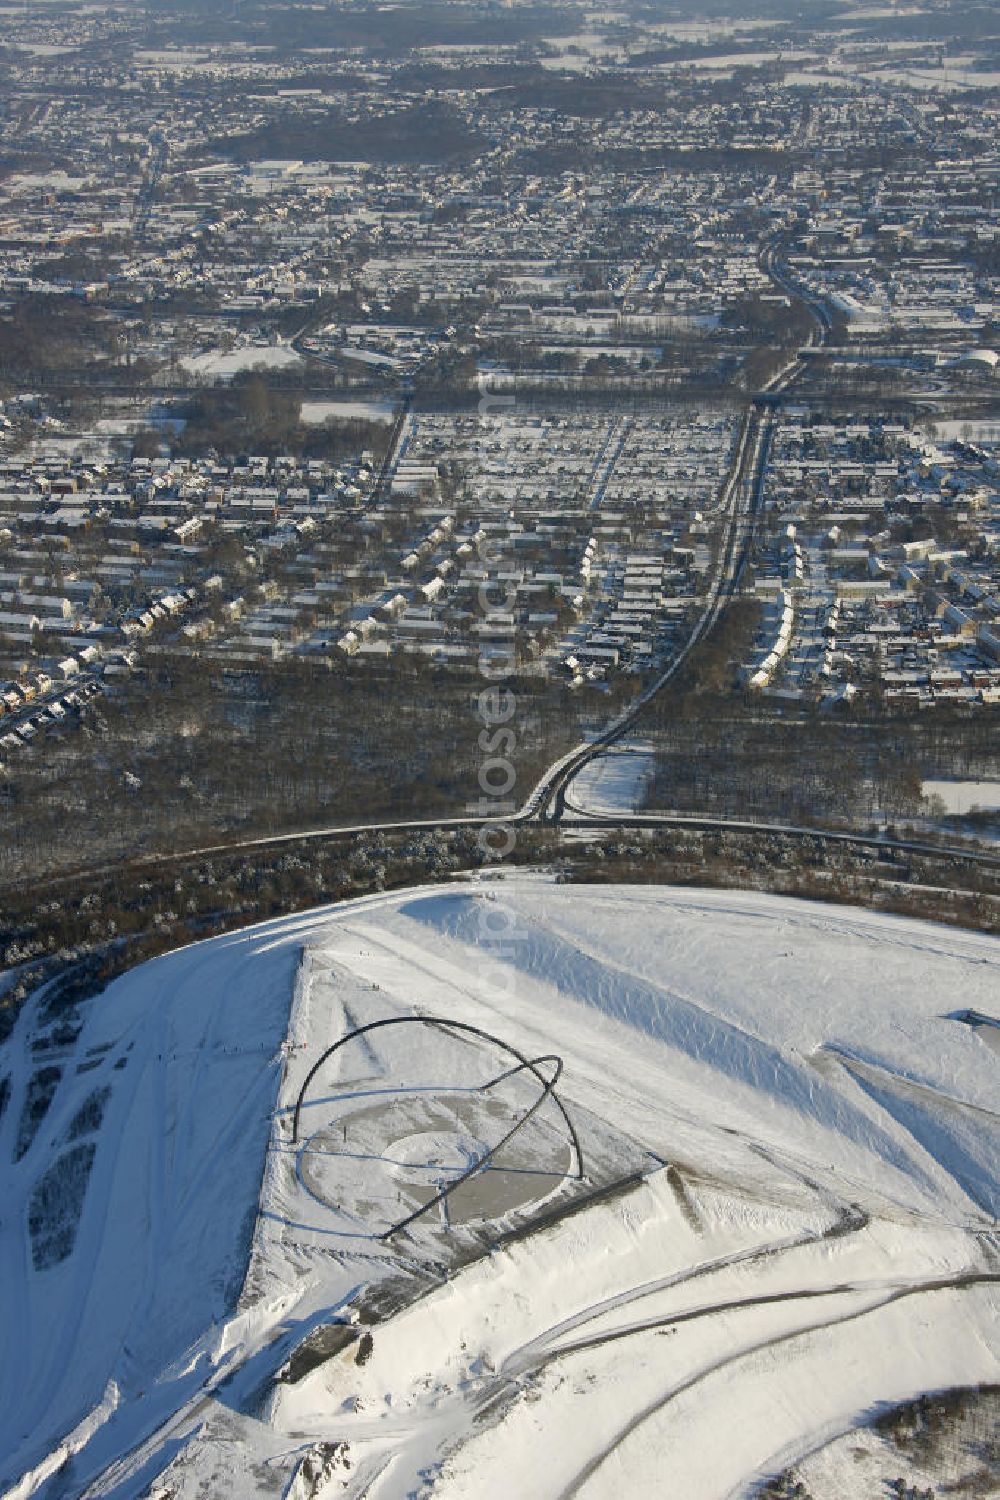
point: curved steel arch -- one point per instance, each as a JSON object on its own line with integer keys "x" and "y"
{"x": 532, "y": 1065}
{"x": 487, "y": 1156}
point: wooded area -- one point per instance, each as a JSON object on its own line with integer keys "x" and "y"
{"x": 191, "y": 753}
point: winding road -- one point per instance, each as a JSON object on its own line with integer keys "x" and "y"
{"x": 740, "y": 500}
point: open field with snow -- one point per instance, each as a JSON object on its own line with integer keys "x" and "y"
{"x": 741, "y": 1180}
{"x": 615, "y": 782}
{"x": 216, "y": 365}
{"x": 315, "y": 412}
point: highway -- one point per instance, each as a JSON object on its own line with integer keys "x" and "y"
{"x": 741, "y": 498}
{"x": 740, "y": 501}
{"x": 147, "y": 195}
{"x": 697, "y": 824}
{"x": 883, "y": 843}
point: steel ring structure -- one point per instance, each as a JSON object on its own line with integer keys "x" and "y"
{"x": 524, "y": 1064}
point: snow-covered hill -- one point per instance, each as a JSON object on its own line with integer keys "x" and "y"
{"x": 768, "y": 1206}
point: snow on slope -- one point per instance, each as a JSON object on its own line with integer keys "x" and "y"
{"x": 614, "y": 782}
{"x": 812, "y": 1231}
{"x": 187, "y": 1049}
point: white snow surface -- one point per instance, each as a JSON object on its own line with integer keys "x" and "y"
{"x": 313, "y": 412}
{"x": 965, "y": 796}
{"x": 614, "y": 782}
{"x": 793, "y": 1124}
{"x": 217, "y": 365}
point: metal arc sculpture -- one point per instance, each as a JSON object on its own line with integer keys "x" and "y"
{"x": 524, "y": 1064}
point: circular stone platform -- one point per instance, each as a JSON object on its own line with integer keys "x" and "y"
{"x": 380, "y": 1162}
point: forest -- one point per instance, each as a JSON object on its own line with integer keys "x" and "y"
{"x": 191, "y": 753}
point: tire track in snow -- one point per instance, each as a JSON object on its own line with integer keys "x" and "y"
{"x": 923, "y": 1288}
{"x": 534, "y": 1354}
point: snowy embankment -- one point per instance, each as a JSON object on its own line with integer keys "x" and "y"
{"x": 613, "y": 783}
{"x": 128, "y": 1203}
{"x": 787, "y": 1116}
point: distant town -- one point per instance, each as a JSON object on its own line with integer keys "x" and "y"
{"x": 531, "y": 340}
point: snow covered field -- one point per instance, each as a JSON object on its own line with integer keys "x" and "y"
{"x": 615, "y": 782}
{"x": 786, "y": 1117}
{"x": 215, "y": 365}
{"x": 314, "y": 412}
{"x": 965, "y": 796}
